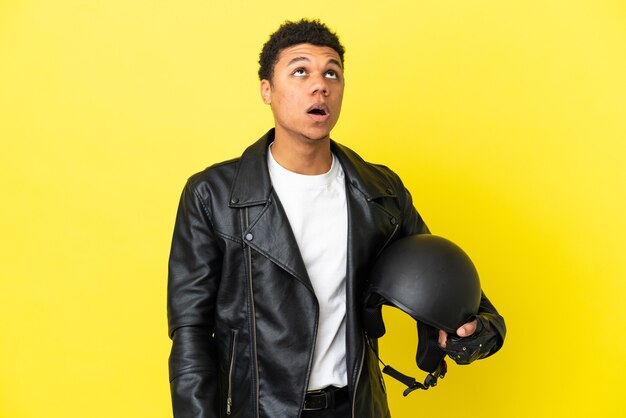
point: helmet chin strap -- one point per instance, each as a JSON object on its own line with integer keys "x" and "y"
{"x": 411, "y": 383}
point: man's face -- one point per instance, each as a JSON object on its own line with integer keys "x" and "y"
{"x": 306, "y": 92}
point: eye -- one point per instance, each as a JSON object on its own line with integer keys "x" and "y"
{"x": 300, "y": 72}
{"x": 332, "y": 74}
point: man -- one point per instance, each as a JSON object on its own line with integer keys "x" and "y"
{"x": 270, "y": 252}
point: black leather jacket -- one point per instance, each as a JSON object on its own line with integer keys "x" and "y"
{"x": 242, "y": 312}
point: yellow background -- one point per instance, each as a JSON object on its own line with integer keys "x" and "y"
{"x": 506, "y": 119}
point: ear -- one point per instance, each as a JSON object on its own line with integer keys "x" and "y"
{"x": 266, "y": 90}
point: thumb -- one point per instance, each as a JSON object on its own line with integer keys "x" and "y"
{"x": 467, "y": 329}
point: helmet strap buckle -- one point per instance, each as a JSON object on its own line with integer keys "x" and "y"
{"x": 411, "y": 383}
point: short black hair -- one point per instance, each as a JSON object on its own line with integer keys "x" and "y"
{"x": 290, "y": 33}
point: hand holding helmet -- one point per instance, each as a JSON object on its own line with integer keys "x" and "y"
{"x": 435, "y": 282}
{"x": 467, "y": 346}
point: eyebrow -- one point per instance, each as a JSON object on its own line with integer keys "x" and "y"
{"x": 298, "y": 59}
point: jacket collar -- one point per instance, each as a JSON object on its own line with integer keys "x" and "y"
{"x": 253, "y": 186}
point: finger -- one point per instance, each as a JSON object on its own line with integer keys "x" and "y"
{"x": 468, "y": 329}
{"x": 443, "y": 336}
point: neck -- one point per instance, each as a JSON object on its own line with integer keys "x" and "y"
{"x": 306, "y": 156}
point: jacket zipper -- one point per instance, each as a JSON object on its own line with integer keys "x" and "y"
{"x": 253, "y": 318}
{"x": 395, "y": 229}
{"x": 229, "y": 400}
{"x": 358, "y": 377}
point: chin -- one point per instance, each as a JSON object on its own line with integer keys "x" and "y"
{"x": 317, "y": 137}
{"x": 317, "y": 134}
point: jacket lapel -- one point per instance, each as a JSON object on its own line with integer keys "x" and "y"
{"x": 371, "y": 226}
{"x": 266, "y": 228}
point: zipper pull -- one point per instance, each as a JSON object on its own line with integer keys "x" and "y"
{"x": 229, "y": 404}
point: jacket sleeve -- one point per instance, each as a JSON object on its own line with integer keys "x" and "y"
{"x": 193, "y": 277}
{"x": 414, "y": 224}
{"x": 492, "y": 320}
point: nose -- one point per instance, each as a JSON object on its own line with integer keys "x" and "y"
{"x": 320, "y": 86}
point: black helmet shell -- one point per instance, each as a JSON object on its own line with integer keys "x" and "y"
{"x": 428, "y": 277}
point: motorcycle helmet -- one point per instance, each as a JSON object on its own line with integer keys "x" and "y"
{"x": 434, "y": 281}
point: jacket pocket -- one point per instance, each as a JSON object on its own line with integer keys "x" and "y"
{"x": 231, "y": 370}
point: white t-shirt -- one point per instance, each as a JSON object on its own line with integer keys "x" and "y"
{"x": 317, "y": 212}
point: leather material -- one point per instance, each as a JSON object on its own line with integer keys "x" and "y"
{"x": 241, "y": 309}
{"x": 478, "y": 345}
{"x": 429, "y": 354}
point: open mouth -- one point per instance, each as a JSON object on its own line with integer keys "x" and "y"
{"x": 318, "y": 110}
